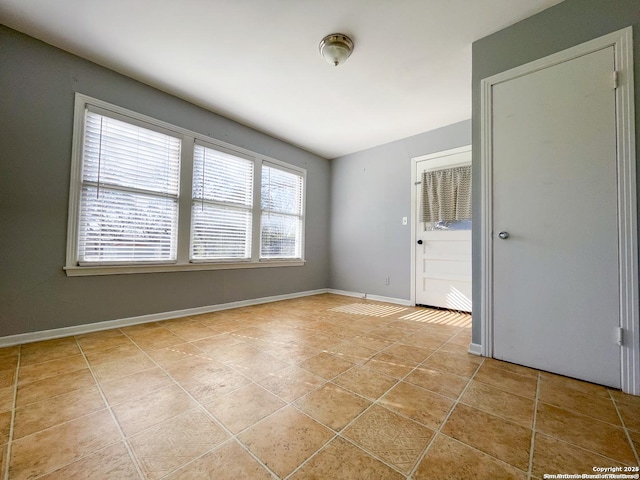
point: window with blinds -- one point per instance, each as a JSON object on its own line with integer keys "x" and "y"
{"x": 129, "y": 195}
{"x": 149, "y": 196}
{"x": 281, "y": 216}
{"x": 221, "y": 214}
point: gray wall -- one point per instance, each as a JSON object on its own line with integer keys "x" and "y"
{"x": 565, "y": 25}
{"x": 38, "y": 83}
{"x": 370, "y": 193}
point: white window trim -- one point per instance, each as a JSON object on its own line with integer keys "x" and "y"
{"x": 285, "y": 168}
{"x": 223, "y": 204}
{"x": 184, "y": 202}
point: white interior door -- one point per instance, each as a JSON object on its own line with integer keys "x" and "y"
{"x": 443, "y": 256}
{"x": 556, "y": 278}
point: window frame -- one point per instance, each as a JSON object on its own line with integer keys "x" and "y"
{"x": 300, "y": 216}
{"x": 188, "y": 139}
{"x": 106, "y": 186}
{"x": 223, "y": 204}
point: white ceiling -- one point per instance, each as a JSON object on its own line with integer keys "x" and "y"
{"x": 257, "y": 61}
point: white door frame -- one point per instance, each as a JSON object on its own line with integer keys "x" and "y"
{"x": 622, "y": 41}
{"x": 414, "y": 180}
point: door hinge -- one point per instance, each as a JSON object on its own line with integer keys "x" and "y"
{"x": 619, "y": 335}
{"x": 615, "y": 79}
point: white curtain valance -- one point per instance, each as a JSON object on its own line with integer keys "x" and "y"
{"x": 446, "y": 195}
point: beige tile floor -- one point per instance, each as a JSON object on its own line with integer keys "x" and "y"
{"x": 322, "y": 387}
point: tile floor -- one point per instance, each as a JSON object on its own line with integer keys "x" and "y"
{"x": 322, "y": 387}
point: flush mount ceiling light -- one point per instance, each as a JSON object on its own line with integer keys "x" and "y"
{"x": 336, "y": 48}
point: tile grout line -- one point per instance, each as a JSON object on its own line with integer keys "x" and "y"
{"x": 459, "y": 401}
{"x": 13, "y": 417}
{"x": 107, "y": 407}
{"x": 533, "y": 427}
{"x": 360, "y": 334}
{"x": 321, "y": 385}
{"x": 626, "y": 430}
{"x": 563, "y": 407}
{"x": 537, "y": 403}
{"x": 338, "y": 434}
{"x": 589, "y": 417}
{"x": 202, "y": 408}
{"x": 314, "y": 454}
{"x": 124, "y": 439}
{"x": 217, "y": 447}
{"x": 286, "y": 404}
{"x": 377, "y": 403}
{"x": 373, "y": 455}
{"x": 581, "y": 447}
{"x": 451, "y": 409}
{"x": 355, "y": 365}
{"x": 328, "y": 381}
{"x": 505, "y": 389}
{"x": 438, "y": 431}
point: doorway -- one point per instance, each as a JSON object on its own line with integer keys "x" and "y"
{"x": 441, "y": 231}
{"x": 558, "y": 254}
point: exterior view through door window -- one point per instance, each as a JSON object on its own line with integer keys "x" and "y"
{"x": 443, "y": 230}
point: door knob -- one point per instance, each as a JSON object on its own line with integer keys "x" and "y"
{"x": 503, "y": 235}
{"x": 419, "y": 242}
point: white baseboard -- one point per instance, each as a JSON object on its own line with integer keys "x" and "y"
{"x": 367, "y": 296}
{"x": 475, "y": 348}
{"x": 154, "y": 317}
{"x": 347, "y": 294}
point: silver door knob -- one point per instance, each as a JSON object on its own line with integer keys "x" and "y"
{"x": 503, "y": 235}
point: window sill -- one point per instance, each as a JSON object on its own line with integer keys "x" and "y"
{"x": 76, "y": 271}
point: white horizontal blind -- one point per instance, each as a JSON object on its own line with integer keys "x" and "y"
{"x": 221, "y": 213}
{"x": 281, "y": 220}
{"x": 129, "y": 197}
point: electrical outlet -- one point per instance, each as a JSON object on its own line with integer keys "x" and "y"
{"x": 387, "y": 280}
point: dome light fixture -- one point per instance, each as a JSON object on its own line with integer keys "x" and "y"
{"x": 336, "y": 48}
